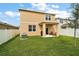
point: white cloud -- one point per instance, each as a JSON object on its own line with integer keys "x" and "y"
{"x": 18, "y": 18}
{"x": 21, "y": 5}
{"x": 34, "y": 4}
{"x": 59, "y": 13}
{"x": 11, "y": 13}
{"x": 43, "y": 6}
{"x": 4, "y": 21}
{"x": 55, "y": 6}
{"x": 46, "y": 8}
{"x": 0, "y": 13}
{"x": 17, "y": 13}
{"x": 39, "y": 6}
{"x": 63, "y": 14}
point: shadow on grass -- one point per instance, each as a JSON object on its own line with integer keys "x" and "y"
{"x": 3, "y": 50}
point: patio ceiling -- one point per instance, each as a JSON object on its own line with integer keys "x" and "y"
{"x": 51, "y": 23}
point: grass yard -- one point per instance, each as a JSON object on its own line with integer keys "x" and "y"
{"x": 39, "y": 46}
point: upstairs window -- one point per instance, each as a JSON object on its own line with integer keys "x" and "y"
{"x": 48, "y": 17}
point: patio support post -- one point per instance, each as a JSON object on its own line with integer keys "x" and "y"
{"x": 57, "y": 30}
{"x": 44, "y": 29}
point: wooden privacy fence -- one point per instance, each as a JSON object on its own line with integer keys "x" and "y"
{"x": 6, "y": 35}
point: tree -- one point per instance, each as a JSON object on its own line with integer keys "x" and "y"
{"x": 75, "y": 14}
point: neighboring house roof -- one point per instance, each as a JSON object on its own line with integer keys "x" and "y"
{"x": 61, "y": 20}
{"x": 64, "y": 25}
{"x": 35, "y": 11}
{"x": 8, "y": 25}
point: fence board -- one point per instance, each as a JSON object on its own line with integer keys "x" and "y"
{"x": 6, "y": 35}
{"x": 69, "y": 32}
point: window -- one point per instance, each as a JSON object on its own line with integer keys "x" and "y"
{"x": 48, "y": 17}
{"x": 61, "y": 20}
{"x": 32, "y": 28}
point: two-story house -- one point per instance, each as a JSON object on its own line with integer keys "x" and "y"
{"x": 35, "y": 23}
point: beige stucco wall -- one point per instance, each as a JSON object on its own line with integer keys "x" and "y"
{"x": 32, "y": 18}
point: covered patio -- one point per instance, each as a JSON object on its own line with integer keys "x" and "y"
{"x": 49, "y": 29}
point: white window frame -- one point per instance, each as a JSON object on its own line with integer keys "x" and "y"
{"x": 33, "y": 29}
{"x": 48, "y": 16}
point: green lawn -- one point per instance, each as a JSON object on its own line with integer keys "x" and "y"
{"x": 39, "y": 46}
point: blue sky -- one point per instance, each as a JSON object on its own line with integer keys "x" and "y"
{"x": 9, "y": 11}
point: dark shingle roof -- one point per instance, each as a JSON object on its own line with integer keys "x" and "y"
{"x": 35, "y": 11}
{"x": 6, "y": 24}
